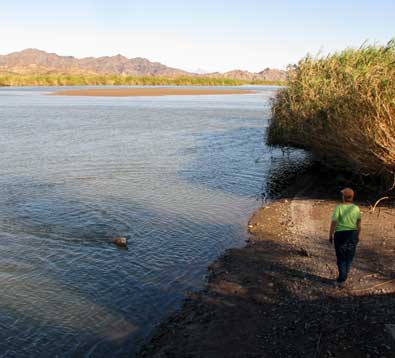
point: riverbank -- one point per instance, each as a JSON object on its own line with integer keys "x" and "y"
{"x": 53, "y": 79}
{"x": 149, "y": 91}
{"x": 346, "y": 97}
{"x": 276, "y": 298}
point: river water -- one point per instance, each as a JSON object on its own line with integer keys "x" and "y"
{"x": 179, "y": 176}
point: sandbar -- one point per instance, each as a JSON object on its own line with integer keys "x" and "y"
{"x": 150, "y": 91}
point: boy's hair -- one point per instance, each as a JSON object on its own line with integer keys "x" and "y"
{"x": 348, "y": 194}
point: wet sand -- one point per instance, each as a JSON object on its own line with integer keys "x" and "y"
{"x": 149, "y": 91}
{"x": 276, "y": 298}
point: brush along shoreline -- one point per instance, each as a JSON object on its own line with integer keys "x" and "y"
{"x": 341, "y": 108}
{"x": 275, "y": 297}
{"x": 148, "y": 91}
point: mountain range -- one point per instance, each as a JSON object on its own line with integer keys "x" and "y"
{"x": 34, "y": 61}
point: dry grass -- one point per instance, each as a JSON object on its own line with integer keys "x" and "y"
{"x": 342, "y": 108}
{"x": 10, "y": 79}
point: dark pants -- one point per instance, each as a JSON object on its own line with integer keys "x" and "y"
{"x": 345, "y": 246}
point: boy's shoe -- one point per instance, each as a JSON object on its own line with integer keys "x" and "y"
{"x": 340, "y": 284}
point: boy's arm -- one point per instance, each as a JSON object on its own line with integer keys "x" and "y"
{"x": 332, "y": 230}
{"x": 359, "y": 227}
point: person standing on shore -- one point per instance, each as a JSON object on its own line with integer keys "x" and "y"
{"x": 344, "y": 232}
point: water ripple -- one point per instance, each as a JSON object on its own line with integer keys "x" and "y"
{"x": 177, "y": 176}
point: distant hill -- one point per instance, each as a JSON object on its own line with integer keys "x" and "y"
{"x": 267, "y": 74}
{"x": 33, "y": 61}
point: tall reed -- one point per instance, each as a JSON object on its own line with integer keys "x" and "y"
{"x": 117, "y": 80}
{"x": 342, "y": 108}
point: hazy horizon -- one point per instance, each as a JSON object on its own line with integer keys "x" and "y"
{"x": 206, "y": 35}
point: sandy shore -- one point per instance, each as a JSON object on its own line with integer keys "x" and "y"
{"x": 276, "y": 298}
{"x": 149, "y": 91}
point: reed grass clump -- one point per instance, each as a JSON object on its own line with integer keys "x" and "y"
{"x": 342, "y": 108}
{"x": 119, "y": 80}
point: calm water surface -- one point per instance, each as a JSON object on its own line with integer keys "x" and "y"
{"x": 179, "y": 176}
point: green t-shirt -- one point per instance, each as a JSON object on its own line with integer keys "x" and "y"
{"x": 346, "y": 217}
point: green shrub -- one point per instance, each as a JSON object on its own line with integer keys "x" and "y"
{"x": 116, "y": 80}
{"x": 342, "y": 108}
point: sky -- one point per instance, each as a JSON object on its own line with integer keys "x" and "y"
{"x": 210, "y": 35}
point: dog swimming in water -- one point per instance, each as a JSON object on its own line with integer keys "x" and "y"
{"x": 120, "y": 241}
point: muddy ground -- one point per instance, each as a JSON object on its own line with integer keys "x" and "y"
{"x": 276, "y": 297}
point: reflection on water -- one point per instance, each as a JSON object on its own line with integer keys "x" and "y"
{"x": 178, "y": 176}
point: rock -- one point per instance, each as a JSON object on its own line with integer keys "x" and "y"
{"x": 120, "y": 241}
{"x": 303, "y": 252}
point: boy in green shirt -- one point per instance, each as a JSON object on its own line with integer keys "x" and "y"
{"x": 344, "y": 231}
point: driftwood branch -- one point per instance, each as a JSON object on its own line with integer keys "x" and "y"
{"x": 393, "y": 185}
{"x": 378, "y": 201}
